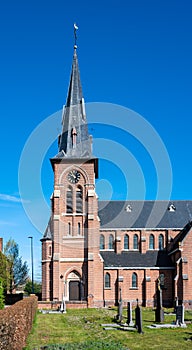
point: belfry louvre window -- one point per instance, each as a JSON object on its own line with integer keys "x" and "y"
{"x": 69, "y": 200}
{"x": 79, "y": 200}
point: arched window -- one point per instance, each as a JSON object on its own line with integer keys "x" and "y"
{"x": 151, "y": 242}
{"x": 69, "y": 229}
{"x": 161, "y": 242}
{"x": 135, "y": 242}
{"x": 79, "y": 229}
{"x": 69, "y": 200}
{"x": 107, "y": 280}
{"x": 79, "y": 200}
{"x": 50, "y": 250}
{"x": 126, "y": 242}
{"x": 110, "y": 246}
{"x": 102, "y": 242}
{"x": 134, "y": 280}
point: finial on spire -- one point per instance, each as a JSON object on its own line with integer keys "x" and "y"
{"x": 75, "y": 35}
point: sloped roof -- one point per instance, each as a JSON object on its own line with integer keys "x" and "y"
{"x": 48, "y": 235}
{"x": 180, "y": 237}
{"x": 135, "y": 259}
{"x": 144, "y": 214}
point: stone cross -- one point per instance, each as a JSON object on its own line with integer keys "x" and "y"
{"x": 159, "y": 313}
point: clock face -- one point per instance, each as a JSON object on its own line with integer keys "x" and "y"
{"x": 73, "y": 176}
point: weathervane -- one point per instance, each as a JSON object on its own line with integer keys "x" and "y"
{"x": 75, "y": 35}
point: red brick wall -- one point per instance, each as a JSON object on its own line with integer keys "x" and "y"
{"x": 186, "y": 268}
{"x": 80, "y": 253}
{"x": 145, "y": 290}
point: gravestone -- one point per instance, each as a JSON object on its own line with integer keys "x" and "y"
{"x": 63, "y": 307}
{"x": 159, "y": 312}
{"x": 138, "y": 318}
{"x": 180, "y": 319}
{"x": 129, "y": 314}
{"x": 120, "y": 308}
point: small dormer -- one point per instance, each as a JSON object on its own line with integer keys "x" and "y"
{"x": 172, "y": 207}
{"x": 128, "y": 208}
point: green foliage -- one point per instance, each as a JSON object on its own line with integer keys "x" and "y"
{"x": 4, "y": 271}
{"x": 28, "y": 287}
{"x": 18, "y": 270}
{"x": 1, "y": 294}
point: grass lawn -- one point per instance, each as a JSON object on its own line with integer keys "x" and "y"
{"x": 79, "y": 326}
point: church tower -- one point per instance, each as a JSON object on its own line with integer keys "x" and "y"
{"x": 71, "y": 263}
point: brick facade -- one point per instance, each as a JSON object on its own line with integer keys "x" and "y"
{"x": 86, "y": 261}
{"x": 75, "y": 254}
{"x": 75, "y": 250}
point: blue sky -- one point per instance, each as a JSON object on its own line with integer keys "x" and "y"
{"x": 135, "y": 54}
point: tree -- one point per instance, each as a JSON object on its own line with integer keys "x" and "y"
{"x": 17, "y": 269}
{"x": 28, "y": 287}
{"x": 2, "y": 298}
{"x": 4, "y": 271}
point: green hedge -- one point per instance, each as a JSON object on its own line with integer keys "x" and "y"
{"x": 16, "y": 322}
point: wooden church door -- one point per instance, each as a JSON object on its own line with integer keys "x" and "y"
{"x": 74, "y": 290}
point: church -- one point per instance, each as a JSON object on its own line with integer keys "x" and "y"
{"x": 93, "y": 251}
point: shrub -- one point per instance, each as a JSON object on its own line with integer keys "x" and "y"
{"x": 16, "y": 322}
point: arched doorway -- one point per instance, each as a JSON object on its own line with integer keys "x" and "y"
{"x": 74, "y": 284}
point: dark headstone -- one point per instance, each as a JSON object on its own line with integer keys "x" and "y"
{"x": 180, "y": 315}
{"x": 129, "y": 314}
{"x": 159, "y": 312}
{"x": 138, "y": 318}
{"x": 159, "y": 315}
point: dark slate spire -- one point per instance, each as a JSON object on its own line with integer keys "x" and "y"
{"x": 48, "y": 235}
{"x": 74, "y": 141}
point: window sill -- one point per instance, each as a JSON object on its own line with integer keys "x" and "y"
{"x": 109, "y": 250}
{"x": 73, "y": 214}
{"x": 133, "y": 288}
{"x": 107, "y": 288}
